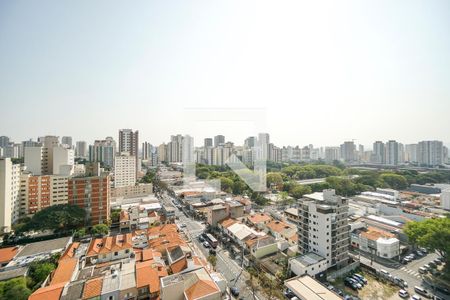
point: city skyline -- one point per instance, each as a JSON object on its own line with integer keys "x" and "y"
{"x": 199, "y": 142}
{"x": 321, "y": 73}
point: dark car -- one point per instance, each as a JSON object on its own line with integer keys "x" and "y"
{"x": 201, "y": 239}
{"x": 350, "y": 283}
{"x": 234, "y": 291}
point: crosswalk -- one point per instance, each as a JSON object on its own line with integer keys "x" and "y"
{"x": 411, "y": 272}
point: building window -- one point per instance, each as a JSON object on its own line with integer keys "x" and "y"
{"x": 116, "y": 253}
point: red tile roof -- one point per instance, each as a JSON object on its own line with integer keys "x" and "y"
{"x": 93, "y": 288}
{"x": 7, "y": 254}
{"x": 148, "y": 274}
{"x": 110, "y": 244}
{"x": 51, "y": 292}
{"x": 64, "y": 271}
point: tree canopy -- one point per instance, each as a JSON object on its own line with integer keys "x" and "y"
{"x": 433, "y": 234}
{"x": 61, "y": 217}
{"x": 100, "y": 229}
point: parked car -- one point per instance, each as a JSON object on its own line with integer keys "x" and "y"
{"x": 350, "y": 283}
{"x": 406, "y": 260}
{"x": 403, "y": 294}
{"x": 421, "y": 291}
{"x": 432, "y": 264}
{"x": 415, "y": 297}
{"x": 355, "y": 282}
{"x": 357, "y": 279}
{"x": 423, "y": 270}
{"x": 427, "y": 266}
{"x": 361, "y": 277}
{"x": 437, "y": 261}
{"x": 206, "y": 245}
{"x": 234, "y": 291}
{"x": 201, "y": 239}
{"x": 419, "y": 253}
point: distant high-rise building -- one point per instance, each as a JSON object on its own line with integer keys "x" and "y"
{"x": 93, "y": 195}
{"x": 250, "y": 142}
{"x": 348, "y": 151}
{"x": 331, "y": 154}
{"x": 162, "y": 153}
{"x": 49, "y": 158}
{"x": 129, "y": 142}
{"x": 219, "y": 140}
{"x": 175, "y": 148}
{"x": 392, "y": 153}
{"x": 411, "y": 153}
{"x": 67, "y": 140}
{"x": 208, "y": 142}
{"x": 379, "y": 153}
{"x": 124, "y": 170}
{"x": 4, "y": 141}
{"x": 9, "y": 193}
{"x": 323, "y": 227}
{"x": 103, "y": 151}
{"x": 147, "y": 149}
{"x": 430, "y": 153}
{"x": 81, "y": 149}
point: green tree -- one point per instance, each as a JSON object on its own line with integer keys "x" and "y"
{"x": 39, "y": 271}
{"x": 61, "y": 217}
{"x": 274, "y": 179}
{"x": 433, "y": 234}
{"x": 297, "y": 191}
{"x": 212, "y": 259}
{"x": 226, "y": 184}
{"x": 394, "y": 181}
{"x": 80, "y": 233}
{"x": 100, "y": 229}
{"x": 14, "y": 289}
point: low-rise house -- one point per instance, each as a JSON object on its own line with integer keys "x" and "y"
{"x": 110, "y": 248}
{"x": 235, "y": 209}
{"x": 148, "y": 277}
{"x": 259, "y": 220}
{"x": 309, "y": 263}
{"x": 281, "y": 230}
{"x": 240, "y": 233}
{"x": 216, "y": 213}
{"x": 246, "y": 202}
{"x": 262, "y": 246}
{"x": 193, "y": 285}
{"x": 376, "y": 241}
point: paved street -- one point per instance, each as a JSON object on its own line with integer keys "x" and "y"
{"x": 225, "y": 265}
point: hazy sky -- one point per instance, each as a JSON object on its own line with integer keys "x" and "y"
{"x": 304, "y": 71}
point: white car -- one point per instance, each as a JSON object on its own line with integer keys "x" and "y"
{"x": 403, "y": 294}
{"x": 415, "y": 297}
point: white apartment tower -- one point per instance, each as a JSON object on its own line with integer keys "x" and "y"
{"x": 124, "y": 170}
{"x": 9, "y": 193}
{"x": 430, "y": 153}
{"x": 323, "y": 227}
{"x": 392, "y": 153}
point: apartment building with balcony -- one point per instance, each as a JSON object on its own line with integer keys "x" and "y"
{"x": 323, "y": 227}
